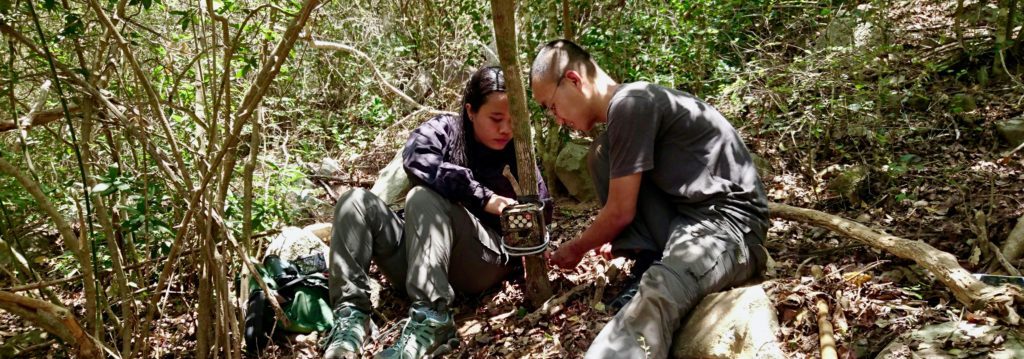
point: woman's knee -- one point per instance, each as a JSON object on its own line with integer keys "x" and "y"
{"x": 357, "y": 200}
{"x": 421, "y": 197}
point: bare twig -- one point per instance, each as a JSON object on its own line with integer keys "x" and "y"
{"x": 553, "y": 305}
{"x": 85, "y": 264}
{"x": 329, "y": 45}
{"x": 154, "y": 99}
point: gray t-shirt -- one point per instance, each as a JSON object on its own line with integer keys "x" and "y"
{"x": 686, "y": 147}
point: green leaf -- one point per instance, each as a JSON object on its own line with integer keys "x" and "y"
{"x": 73, "y": 26}
{"x": 101, "y": 187}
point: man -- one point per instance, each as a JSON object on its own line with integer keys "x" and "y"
{"x": 678, "y": 188}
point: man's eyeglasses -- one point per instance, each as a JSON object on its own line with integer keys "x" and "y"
{"x": 550, "y": 111}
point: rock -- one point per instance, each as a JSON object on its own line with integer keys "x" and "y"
{"x": 739, "y": 323}
{"x": 866, "y": 35}
{"x": 293, "y": 243}
{"x": 852, "y": 29}
{"x": 851, "y": 183}
{"x": 838, "y": 33}
{"x": 327, "y": 167}
{"x": 392, "y": 182}
{"x": 956, "y": 340}
{"x": 571, "y": 170}
{"x": 321, "y": 230}
{"x": 1012, "y": 130}
{"x": 962, "y": 102}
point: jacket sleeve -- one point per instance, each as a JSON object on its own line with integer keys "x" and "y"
{"x": 424, "y": 159}
{"x": 545, "y": 198}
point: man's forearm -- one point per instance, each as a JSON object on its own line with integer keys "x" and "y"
{"x": 605, "y": 228}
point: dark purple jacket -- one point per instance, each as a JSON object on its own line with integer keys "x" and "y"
{"x": 427, "y": 159}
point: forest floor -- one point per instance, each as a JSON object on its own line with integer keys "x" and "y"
{"x": 950, "y": 180}
{"x": 950, "y": 168}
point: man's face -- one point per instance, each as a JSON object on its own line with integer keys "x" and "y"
{"x": 563, "y": 101}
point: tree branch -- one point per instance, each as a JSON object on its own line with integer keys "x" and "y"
{"x": 252, "y": 99}
{"x": 63, "y": 228}
{"x": 55, "y": 319}
{"x": 335, "y": 46}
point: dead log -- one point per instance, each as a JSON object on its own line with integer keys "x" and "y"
{"x": 55, "y": 319}
{"x": 968, "y": 290}
{"x": 538, "y": 287}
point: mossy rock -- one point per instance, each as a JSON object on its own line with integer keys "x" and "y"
{"x": 851, "y": 183}
{"x": 1012, "y": 130}
{"x": 962, "y": 102}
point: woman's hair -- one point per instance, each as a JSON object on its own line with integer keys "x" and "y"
{"x": 484, "y": 81}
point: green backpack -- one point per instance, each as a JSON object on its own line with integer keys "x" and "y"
{"x": 306, "y": 300}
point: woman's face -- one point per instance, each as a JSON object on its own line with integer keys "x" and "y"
{"x": 492, "y": 124}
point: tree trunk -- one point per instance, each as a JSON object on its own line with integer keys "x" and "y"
{"x": 538, "y": 288}
{"x": 968, "y": 290}
{"x": 566, "y": 22}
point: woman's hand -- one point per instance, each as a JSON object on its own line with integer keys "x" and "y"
{"x": 606, "y": 251}
{"x": 565, "y": 257}
{"x": 497, "y": 204}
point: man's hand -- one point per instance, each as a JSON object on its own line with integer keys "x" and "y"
{"x": 497, "y": 204}
{"x": 565, "y": 257}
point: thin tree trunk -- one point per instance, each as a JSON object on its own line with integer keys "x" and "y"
{"x": 64, "y": 229}
{"x": 113, "y": 247}
{"x": 566, "y": 22}
{"x": 538, "y": 288}
{"x": 253, "y": 97}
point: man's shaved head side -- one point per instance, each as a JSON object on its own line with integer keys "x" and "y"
{"x": 558, "y": 56}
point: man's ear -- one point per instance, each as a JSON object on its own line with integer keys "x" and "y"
{"x": 575, "y": 77}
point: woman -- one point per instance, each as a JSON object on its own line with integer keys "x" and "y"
{"x": 455, "y": 164}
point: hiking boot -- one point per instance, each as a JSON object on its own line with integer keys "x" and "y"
{"x": 352, "y": 330}
{"x": 644, "y": 260}
{"x": 428, "y": 333}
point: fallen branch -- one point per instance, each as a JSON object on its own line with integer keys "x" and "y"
{"x": 825, "y": 338}
{"x": 54, "y": 319}
{"x": 344, "y": 181}
{"x": 1002, "y": 260}
{"x": 553, "y": 305}
{"x": 968, "y": 290}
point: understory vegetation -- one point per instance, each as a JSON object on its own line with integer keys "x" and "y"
{"x": 148, "y": 148}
